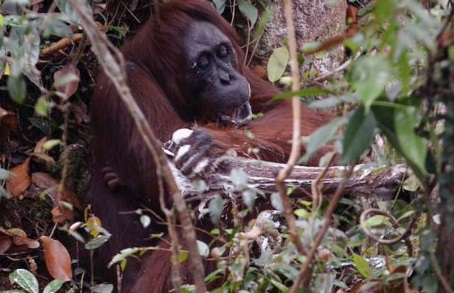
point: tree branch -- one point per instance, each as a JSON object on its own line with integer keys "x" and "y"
{"x": 296, "y": 139}
{"x": 366, "y": 180}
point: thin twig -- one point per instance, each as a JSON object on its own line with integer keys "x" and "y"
{"x": 61, "y": 44}
{"x": 174, "y": 243}
{"x": 303, "y": 273}
{"x": 296, "y": 140}
{"x": 113, "y": 64}
{"x": 365, "y": 215}
{"x": 316, "y": 185}
{"x": 296, "y": 103}
{"x": 437, "y": 269}
{"x": 327, "y": 75}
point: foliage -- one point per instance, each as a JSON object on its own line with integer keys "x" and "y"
{"x": 380, "y": 91}
{"x": 28, "y": 282}
{"x": 389, "y": 64}
{"x": 253, "y": 15}
{"x": 382, "y": 79}
{"x": 379, "y": 95}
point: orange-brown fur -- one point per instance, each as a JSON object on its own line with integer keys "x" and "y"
{"x": 154, "y": 59}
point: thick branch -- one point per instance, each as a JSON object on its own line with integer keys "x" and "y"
{"x": 365, "y": 180}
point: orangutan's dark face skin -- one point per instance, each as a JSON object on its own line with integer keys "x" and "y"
{"x": 213, "y": 77}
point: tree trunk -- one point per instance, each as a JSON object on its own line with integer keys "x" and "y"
{"x": 443, "y": 86}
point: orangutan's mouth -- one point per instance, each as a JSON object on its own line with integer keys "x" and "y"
{"x": 236, "y": 116}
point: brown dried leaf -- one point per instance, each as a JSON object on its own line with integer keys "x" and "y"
{"x": 18, "y": 237}
{"x": 60, "y": 212}
{"x": 67, "y": 80}
{"x": 92, "y": 223}
{"x": 58, "y": 261}
{"x": 8, "y": 123}
{"x": 46, "y": 182}
{"x": 44, "y": 160}
{"x": 20, "y": 180}
{"x": 5, "y": 243}
{"x": 39, "y": 146}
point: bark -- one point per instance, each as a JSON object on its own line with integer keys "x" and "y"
{"x": 446, "y": 232}
{"x": 366, "y": 180}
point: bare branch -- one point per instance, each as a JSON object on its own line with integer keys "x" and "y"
{"x": 366, "y": 180}
{"x": 296, "y": 139}
{"x": 304, "y": 274}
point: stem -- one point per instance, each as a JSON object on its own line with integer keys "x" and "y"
{"x": 112, "y": 63}
{"x": 296, "y": 140}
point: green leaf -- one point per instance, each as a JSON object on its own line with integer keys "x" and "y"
{"x": 249, "y": 196}
{"x": 383, "y": 10}
{"x": 307, "y": 92}
{"x": 287, "y": 270}
{"x": 53, "y": 286}
{"x": 203, "y": 248}
{"x": 51, "y": 143}
{"x": 188, "y": 288}
{"x": 122, "y": 255}
{"x": 220, "y": 5}
{"x": 70, "y": 15}
{"x": 216, "y": 207}
{"x": 145, "y": 221}
{"x": 281, "y": 287}
{"x": 239, "y": 178}
{"x": 302, "y": 213}
{"x": 398, "y": 123}
{"x": 412, "y": 183}
{"x": 277, "y": 63}
{"x": 331, "y": 102}
{"x": 66, "y": 79}
{"x": 17, "y": 88}
{"x": 375, "y": 221}
{"x": 321, "y": 137}
{"x": 361, "y": 265}
{"x": 404, "y": 71}
{"x": 369, "y": 77}
{"x": 406, "y": 215}
{"x": 4, "y": 174}
{"x": 214, "y": 275}
{"x": 102, "y": 288}
{"x": 24, "y": 47}
{"x": 97, "y": 242}
{"x": 358, "y": 135}
{"x": 183, "y": 256}
{"x": 58, "y": 28}
{"x": 326, "y": 103}
{"x": 25, "y": 279}
{"x": 276, "y": 202}
{"x": 248, "y": 10}
{"x": 413, "y": 147}
{"x": 262, "y": 22}
{"x": 19, "y": 2}
{"x": 43, "y": 106}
